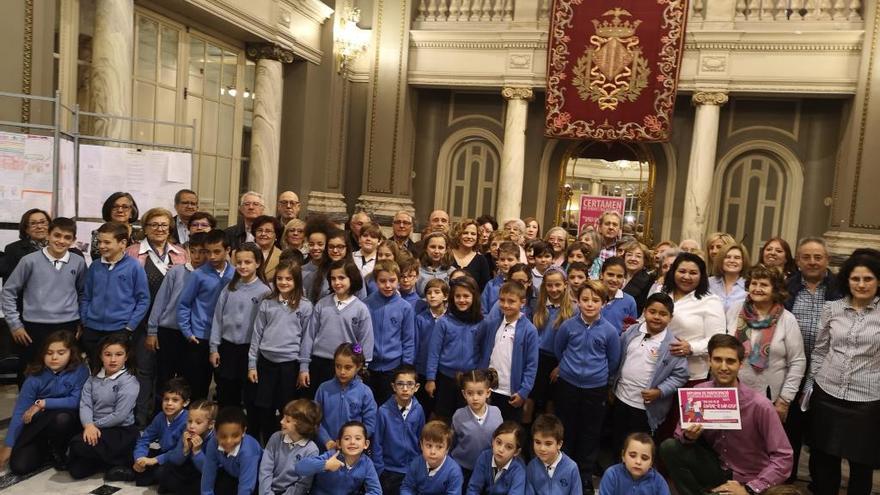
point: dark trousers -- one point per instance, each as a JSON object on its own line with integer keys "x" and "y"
{"x": 180, "y": 480}
{"x": 90, "y": 339}
{"x": 826, "y": 469}
{"x": 114, "y": 448}
{"x": 231, "y": 376}
{"x": 543, "y": 391}
{"x": 197, "y": 369}
{"x": 38, "y": 333}
{"x": 694, "y": 467}
{"x": 276, "y": 386}
{"x": 508, "y": 412}
{"x": 447, "y": 397}
{"x": 149, "y": 476}
{"x": 145, "y": 361}
{"x": 626, "y": 419}
{"x": 320, "y": 370}
{"x": 797, "y": 430}
{"x": 226, "y": 484}
{"x": 582, "y": 411}
{"x": 171, "y": 355}
{"x": 391, "y": 482}
{"x": 380, "y": 384}
{"x": 47, "y": 433}
{"x": 425, "y": 400}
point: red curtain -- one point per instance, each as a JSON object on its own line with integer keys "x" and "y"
{"x": 612, "y": 68}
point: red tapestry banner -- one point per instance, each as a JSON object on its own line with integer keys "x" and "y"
{"x": 612, "y": 68}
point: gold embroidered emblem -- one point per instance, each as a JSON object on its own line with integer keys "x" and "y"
{"x": 613, "y": 69}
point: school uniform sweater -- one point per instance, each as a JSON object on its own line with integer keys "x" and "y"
{"x": 524, "y": 362}
{"x": 454, "y": 347}
{"x": 617, "y": 479}
{"x": 512, "y": 479}
{"x": 393, "y": 331}
{"x": 447, "y": 480}
{"x": 164, "y": 312}
{"x": 115, "y": 299}
{"x": 166, "y": 434}
{"x": 425, "y": 322}
{"x": 428, "y": 273}
{"x": 618, "y": 308}
{"x": 412, "y": 297}
{"x": 490, "y": 293}
{"x": 547, "y": 333}
{"x": 566, "y": 479}
{"x": 280, "y": 458}
{"x": 195, "y": 310}
{"x": 235, "y": 312}
{"x": 108, "y": 401}
{"x": 176, "y": 457}
{"x": 331, "y": 327}
{"x": 340, "y": 405}
{"x": 472, "y": 437}
{"x": 588, "y": 354}
{"x": 396, "y": 440}
{"x": 360, "y": 478}
{"x": 59, "y": 390}
{"x": 244, "y": 465}
{"x": 48, "y": 295}
{"x": 278, "y": 331}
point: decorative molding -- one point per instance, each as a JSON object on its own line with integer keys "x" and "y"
{"x": 773, "y": 47}
{"x": 462, "y": 44}
{"x": 271, "y": 51}
{"x": 312, "y": 9}
{"x": 383, "y": 208}
{"x": 27, "y": 59}
{"x": 713, "y": 63}
{"x": 841, "y": 244}
{"x": 709, "y": 98}
{"x": 519, "y": 93}
{"x": 331, "y": 204}
{"x": 519, "y": 61}
{"x": 284, "y": 18}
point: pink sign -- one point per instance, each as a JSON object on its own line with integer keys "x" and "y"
{"x": 592, "y": 208}
{"x": 713, "y": 408}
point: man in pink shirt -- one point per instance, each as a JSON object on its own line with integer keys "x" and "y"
{"x": 737, "y": 462}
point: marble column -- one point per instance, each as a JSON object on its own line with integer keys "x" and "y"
{"x": 112, "y": 62}
{"x": 266, "y": 128}
{"x": 513, "y": 154}
{"x": 701, "y": 166}
{"x": 595, "y": 187}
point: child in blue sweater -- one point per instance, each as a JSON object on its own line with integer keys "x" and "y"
{"x": 508, "y": 255}
{"x": 106, "y": 410}
{"x": 499, "y": 469}
{"x": 286, "y": 448}
{"x": 635, "y": 475}
{"x": 346, "y": 470}
{"x": 510, "y": 346}
{"x": 398, "y": 426}
{"x": 436, "y": 295}
{"x": 409, "y": 276}
{"x": 433, "y": 473}
{"x": 435, "y": 260}
{"x": 232, "y": 457}
{"x": 620, "y": 305}
{"x": 345, "y": 398}
{"x": 283, "y": 318}
{"x": 454, "y": 347}
{"x": 588, "y": 349}
{"x": 551, "y": 472}
{"x": 195, "y": 311}
{"x": 116, "y": 296}
{"x": 552, "y": 308}
{"x": 182, "y": 471}
{"x": 46, "y": 408}
{"x": 474, "y": 423}
{"x": 393, "y": 329}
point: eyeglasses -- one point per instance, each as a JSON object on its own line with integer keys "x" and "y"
{"x": 405, "y": 385}
{"x": 158, "y": 226}
{"x": 252, "y": 204}
{"x": 122, "y": 207}
{"x": 189, "y": 203}
{"x": 402, "y": 222}
{"x": 265, "y": 231}
{"x": 336, "y": 247}
{"x": 38, "y": 223}
{"x": 288, "y": 203}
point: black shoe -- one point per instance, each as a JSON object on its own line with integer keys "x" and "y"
{"x": 119, "y": 473}
{"x": 59, "y": 460}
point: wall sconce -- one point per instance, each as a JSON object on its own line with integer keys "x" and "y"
{"x": 351, "y": 40}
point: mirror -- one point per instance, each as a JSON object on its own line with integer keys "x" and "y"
{"x": 595, "y": 177}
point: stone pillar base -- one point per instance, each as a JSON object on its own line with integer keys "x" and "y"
{"x": 383, "y": 208}
{"x": 327, "y": 203}
{"x": 841, "y": 244}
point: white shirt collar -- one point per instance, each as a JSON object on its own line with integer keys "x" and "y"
{"x": 189, "y": 267}
{"x": 302, "y": 442}
{"x": 112, "y": 264}
{"x": 234, "y": 452}
{"x": 643, "y": 329}
{"x": 482, "y": 418}
{"x": 504, "y": 467}
{"x": 63, "y": 259}
{"x": 552, "y": 467}
{"x": 432, "y": 472}
{"x": 340, "y": 305}
{"x": 103, "y": 374}
{"x": 618, "y": 294}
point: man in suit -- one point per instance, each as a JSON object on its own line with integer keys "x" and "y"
{"x": 288, "y": 207}
{"x": 250, "y": 207}
{"x": 186, "y": 202}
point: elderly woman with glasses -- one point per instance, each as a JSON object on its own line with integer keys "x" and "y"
{"x": 33, "y": 233}
{"x": 119, "y": 207}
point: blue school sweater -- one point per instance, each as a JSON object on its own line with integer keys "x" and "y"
{"x": 588, "y": 354}
{"x": 340, "y": 405}
{"x": 427, "y": 273}
{"x": 425, "y": 322}
{"x": 412, "y": 297}
{"x": 60, "y": 391}
{"x": 279, "y": 461}
{"x": 447, "y": 480}
{"x": 331, "y": 327}
{"x": 195, "y": 310}
{"x": 164, "y": 312}
{"x": 524, "y": 362}
{"x": 618, "y": 308}
{"x": 47, "y": 295}
{"x": 108, "y": 401}
{"x": 235, "y": 312}
{"x": 396, "y": 440}
{"x": 617, "y": 480}
{"x": 176, "y": 457}
{"x": 490, "y": 293}
{"x": 360, "y": 478}
{"x": 471, "y": 437}
{"x": 547, "y": 333}
{"x": 511, "y": 481}
{"x": 454, "y": 347}
{"x": 242, "y": 466}
{"x": 566, "y": 478}
{"x": 526, "y": 310}
{"x": 278, "y": 331}
{"x": 393, "y": 331}
{"x": 115, "y": 299}
{"x": 160, "y": 431}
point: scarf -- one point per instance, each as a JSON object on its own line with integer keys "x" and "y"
{"x": 750, "y": 321}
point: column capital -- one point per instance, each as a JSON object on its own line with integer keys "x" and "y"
{"x": 709, "y": 98}
{"x": 513, "y": 93}
{"x": 271, "y": 51}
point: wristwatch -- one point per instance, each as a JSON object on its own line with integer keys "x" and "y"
{"x": 750, "y": 490}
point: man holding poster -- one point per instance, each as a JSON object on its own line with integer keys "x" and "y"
{"x": 738, "y": 462}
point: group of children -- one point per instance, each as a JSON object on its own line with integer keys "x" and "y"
{"x": 450, "y": 373}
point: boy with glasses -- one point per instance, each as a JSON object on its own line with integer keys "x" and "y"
{"x": 398, "y": 427}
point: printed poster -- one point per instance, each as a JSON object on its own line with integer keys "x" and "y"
{"x": 713, "y": 408}
{"x": 592, "y": 207}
